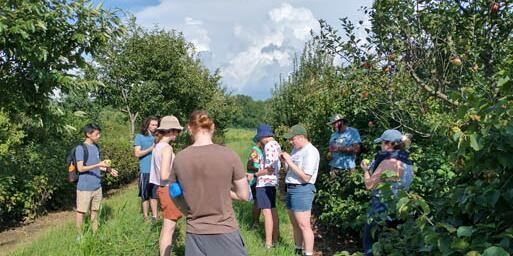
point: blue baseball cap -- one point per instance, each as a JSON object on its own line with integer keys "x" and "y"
{"x": 263, "y": 130}
{"x": 389, "y": 135}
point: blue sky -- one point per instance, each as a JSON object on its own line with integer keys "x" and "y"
{"x": 250, "y": 42}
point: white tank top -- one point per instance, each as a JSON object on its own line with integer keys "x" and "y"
{"x": 156, "y": 159}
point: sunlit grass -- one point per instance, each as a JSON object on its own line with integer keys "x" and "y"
{"x": 123, "y": 231}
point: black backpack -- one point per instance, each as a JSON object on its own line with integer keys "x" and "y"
{"x": 71, "y": 162}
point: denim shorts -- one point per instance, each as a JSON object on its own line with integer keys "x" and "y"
{"x": 300, "y": 197}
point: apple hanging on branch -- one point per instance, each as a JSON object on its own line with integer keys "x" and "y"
{"x": 456, "y": 60}
{"x": 494, "y": 7}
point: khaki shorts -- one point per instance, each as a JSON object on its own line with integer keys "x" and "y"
{"x": 89, "y": 200}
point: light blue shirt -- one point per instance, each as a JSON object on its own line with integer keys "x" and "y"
{"x": 346, "y": 138}
{"x": 144, "y": 141}
{"x": 90, "y": 180}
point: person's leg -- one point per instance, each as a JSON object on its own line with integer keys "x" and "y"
{"x": 94, "y": 220}
{"x": 256, "y": 215}
{"x": 153, "y": 205}
{"x": 152, "y": 191}
{"x": 271, "y": 193}
{"x": 367, "y": 239}
{"x": 276, "y": 226}
{"x": 166, "y": 236}
{"x": 298, "y": 236}
{"x": 79, "y": 219}
{"x": 303, "y": 222}
{"x": 95, "y": 207}
{"x": 82, "y": 207}
{"x": 256, "y": 211}
{"x": 145, "y": 206}
{"x": 268, "y": 227}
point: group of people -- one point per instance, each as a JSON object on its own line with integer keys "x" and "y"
{"x": 208, "y": 177}
{"x": 302, "y": 166}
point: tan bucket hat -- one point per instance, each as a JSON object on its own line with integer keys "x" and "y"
{"x": 169, "y": 122}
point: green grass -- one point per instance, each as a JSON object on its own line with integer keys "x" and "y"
{"x": 123, "y": 232}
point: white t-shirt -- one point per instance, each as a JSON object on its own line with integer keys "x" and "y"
{"x": 307, "y": 159}
{"x": 272, "y": 152}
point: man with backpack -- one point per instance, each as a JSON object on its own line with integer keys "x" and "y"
{"x": 89, "y": 167}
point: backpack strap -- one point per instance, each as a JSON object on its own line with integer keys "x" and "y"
{"x": 99, "y": 151}
{"x": 86, "y": 153}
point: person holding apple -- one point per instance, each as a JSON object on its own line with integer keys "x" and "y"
{"x": 90, "y": 166}
{"x": 344, "y": 144}
{"x": 144, "y": 143}
{"x": 302, "y": 166}
{"x": 392, "y": 157}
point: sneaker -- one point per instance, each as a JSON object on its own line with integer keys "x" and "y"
{"x": 269, "y": 246}
{"x": 153, "y": 219}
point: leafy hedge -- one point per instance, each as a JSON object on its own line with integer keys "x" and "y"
{"x": 419, "y": 71}
{"x": 35, "y": 179}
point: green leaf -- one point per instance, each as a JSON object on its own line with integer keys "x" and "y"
{"x": 495, "y": 251}
{"x": 465, "y": 231}
{"x": 459, "y": 244}
{"x": 474, "y": 143}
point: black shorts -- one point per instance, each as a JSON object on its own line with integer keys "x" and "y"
{"x": 266, "y": 197}
{"x": 147, "y": 190}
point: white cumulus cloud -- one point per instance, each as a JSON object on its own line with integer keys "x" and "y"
{"x": 284, "y": 34}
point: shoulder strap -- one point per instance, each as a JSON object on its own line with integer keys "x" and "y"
{"x": 99, "y": 151}
{"x": 86, "y": 153}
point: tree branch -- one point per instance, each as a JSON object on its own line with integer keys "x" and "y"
{"x": 428, "y": 88}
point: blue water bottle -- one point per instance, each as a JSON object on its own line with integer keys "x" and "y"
{"x": 175, "y": 190}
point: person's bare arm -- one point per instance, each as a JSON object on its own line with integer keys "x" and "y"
{"x": 165, "y": 164}
{"x": 138, "y": 152}
{"x": 353, "y": 149}
{"x": 85, "y": 168}
{"x": 240, "y": 190}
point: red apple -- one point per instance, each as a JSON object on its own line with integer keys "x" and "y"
{"x": 365, "y": 94}
{"x": 366, "y": 65}
{"x": 370, "y": 124}
{"x": 494, "y": 7}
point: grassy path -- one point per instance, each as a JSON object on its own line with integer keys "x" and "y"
{"x": 123, "y": 232}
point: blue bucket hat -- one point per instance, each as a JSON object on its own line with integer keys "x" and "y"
{"x": 263, "y": 130}
{"x": 389, "y": 135}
